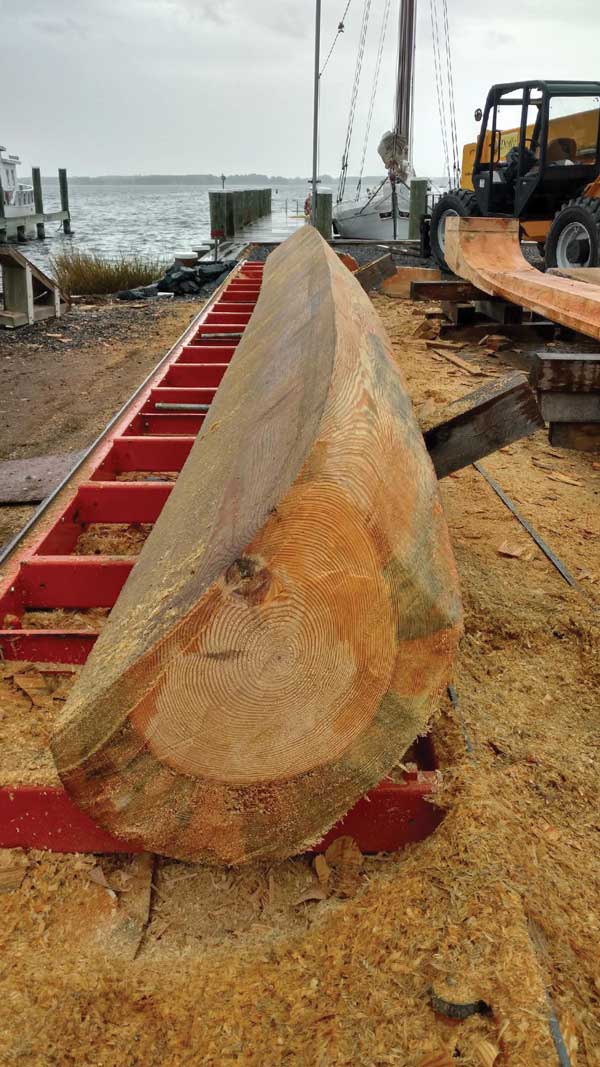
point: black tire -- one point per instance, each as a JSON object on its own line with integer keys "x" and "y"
{"x": 457, "y": 202}
{"x": 574, "y": 237}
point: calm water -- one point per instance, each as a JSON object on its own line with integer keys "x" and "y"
{"x": 158, "y": 220}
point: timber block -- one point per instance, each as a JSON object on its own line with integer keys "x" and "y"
{"x": 580, "y": 436}
{"x": 565, "y": 373}
{"x": 372, "y": 274}
{"x": 570, "y": 407}
{"x": 455, "y": 290}
{"x": 399, "y": 284}
{"x": 481, "y": 422}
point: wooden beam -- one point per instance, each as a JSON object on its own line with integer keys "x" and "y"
{"x": 454, "y": 290}
{"x": 372, "y": 274}
{"x": 289, "y": 625}
{"x": 566, "y": 373}
{"x": 481, "y": 422}
{"x": 570, "y": 407}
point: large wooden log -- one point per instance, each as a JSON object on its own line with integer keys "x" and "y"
{"x": 293, "y": 616}
{"x": 487, "y": 252}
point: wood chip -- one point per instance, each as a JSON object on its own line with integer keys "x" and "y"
{"x": 34, "y": 685}
{"x": 13, "y": 867}
{"x": 556, "y": 476}
{"x": 512, "y": 551}
{"x": 98, "y": 876}
{"x": 458, "y": 362}
{"x": 322, "y": 869}
{"x": 314, "y": 892}
{"x": 486, "y": 1053}
{"x": 344, "y": 854}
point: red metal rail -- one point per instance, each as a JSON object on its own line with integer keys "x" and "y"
{"x": 44, "y": 573}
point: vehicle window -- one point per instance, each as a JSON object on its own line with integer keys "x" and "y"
{"x": 572, "y": 129}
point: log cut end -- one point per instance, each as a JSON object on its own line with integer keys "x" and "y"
{"x": 293, "y": 616}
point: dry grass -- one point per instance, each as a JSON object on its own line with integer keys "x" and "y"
{"x": 87, "y": 274}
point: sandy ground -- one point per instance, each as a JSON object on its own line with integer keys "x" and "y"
{"x": 348, "y": 966}
{"x": 61, "y": 381}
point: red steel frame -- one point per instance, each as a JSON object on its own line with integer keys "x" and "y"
{"x": 42, "y": 572}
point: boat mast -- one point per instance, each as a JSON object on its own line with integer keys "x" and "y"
{"x": 403, "y": 124}
{"x": 313, "y": 205}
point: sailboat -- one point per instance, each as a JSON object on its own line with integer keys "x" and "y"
{"x": 382, "y": 214}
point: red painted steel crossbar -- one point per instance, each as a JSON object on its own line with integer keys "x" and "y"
{"x": 127, "y": 478}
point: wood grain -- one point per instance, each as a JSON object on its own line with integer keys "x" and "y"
{"x": 487, "y": 252}
{"x": 294, "y": 613}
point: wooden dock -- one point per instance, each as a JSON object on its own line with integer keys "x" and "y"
{"x": 14, "y": 227}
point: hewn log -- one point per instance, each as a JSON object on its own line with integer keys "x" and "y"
{"x": 490, "y": 417}
{"x": 487, "y": 252}
{"x": 293, "y": 616}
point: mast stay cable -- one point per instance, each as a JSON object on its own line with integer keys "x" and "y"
{"x": 353, "y": 98}
{"x": 339, "y": 30}
{"x": 382, "y": 34}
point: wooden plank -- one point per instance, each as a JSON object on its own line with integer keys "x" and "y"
{"x": 570, "y": 407}
{"x": 581, "y": 436}
{"x": 287, "y": 629}
{"x": 29, "y": 481}
{"x": 455, "y": 290}
{"x": 372, "y": 274}
{"x": 482, "y": 422}
{"x": 565, "y": 373}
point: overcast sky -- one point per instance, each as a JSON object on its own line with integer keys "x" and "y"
{"x": 192, "y": 86}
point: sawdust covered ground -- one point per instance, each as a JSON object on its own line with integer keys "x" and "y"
{"x": 62, "y": 380}
{"x": 342, "y": 964}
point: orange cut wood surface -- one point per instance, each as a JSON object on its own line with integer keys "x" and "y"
{"x": 487, "y": 252}
{"x": 293, "y": 615}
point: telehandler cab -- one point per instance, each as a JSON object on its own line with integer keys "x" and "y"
{"x": 545, "y": 171}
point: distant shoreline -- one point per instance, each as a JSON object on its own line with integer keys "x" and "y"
{"x": 202, "y": 179}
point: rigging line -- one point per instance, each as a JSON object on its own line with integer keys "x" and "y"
{"x": 353, "y": 98}
{"x": 451, "y": 101}
{"x": 438, "y": 82}
{"x": 340, "y": 30}
{"x": 382, "y": 34}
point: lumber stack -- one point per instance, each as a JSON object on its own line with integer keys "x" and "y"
{"x": 293, "y": 616}
{"x": 568, "y": 386}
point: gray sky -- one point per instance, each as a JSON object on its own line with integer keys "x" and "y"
{"x": 188, "y": 86}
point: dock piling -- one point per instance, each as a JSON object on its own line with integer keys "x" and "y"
{"x": 231, "y": 211}
{"x": 64, "y": 198}
{"x": 2, "y": 222}
{"x": 322, "y": 215}
{"x": 36, "y": 180}
{"x": 417, "y": 207}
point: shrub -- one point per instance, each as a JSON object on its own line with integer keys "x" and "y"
{"x": 86, "y": 273}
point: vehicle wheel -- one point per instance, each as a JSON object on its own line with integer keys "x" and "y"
{"x": 457, "y": 202}
{"x": 574, "y": 237}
